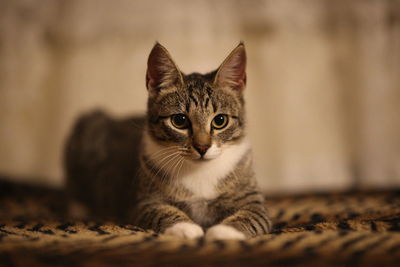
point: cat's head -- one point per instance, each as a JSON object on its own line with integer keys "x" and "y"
{"x": 195, "y": 116}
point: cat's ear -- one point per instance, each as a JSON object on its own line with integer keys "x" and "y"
{"x": 232, "y": 72}
{"x": 162, "y": 72}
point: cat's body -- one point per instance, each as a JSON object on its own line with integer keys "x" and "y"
{"x": 101, "y": 159}
{"x": 195, "y": 175}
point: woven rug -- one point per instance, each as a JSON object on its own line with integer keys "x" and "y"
{"x": 352, "y": 229}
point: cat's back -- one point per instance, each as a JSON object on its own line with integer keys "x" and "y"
{"x": 101, "y": 161}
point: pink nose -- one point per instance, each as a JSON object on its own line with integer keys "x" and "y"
{"x": 202, "y": 149}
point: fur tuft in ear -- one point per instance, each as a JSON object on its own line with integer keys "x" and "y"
{"x": 162, "y": 72}
{"x": 232, "y": 72}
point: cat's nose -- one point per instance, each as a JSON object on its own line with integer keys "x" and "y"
{"x": 202, "y": 149}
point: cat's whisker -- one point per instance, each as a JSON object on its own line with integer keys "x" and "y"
{"x": 180, "y": 167}
{"x": 159, "y": 158}
{"x": 155, "y": 168}
{"x": 164, "y": 149}
{"x": 165, "y": 163}
{"x": 175, "y": 169}
{"x": 171, "y": 168}
{"x": 160, "y": 153}
{"x": 166, "y": 160}
{"x": 167, "y": 173}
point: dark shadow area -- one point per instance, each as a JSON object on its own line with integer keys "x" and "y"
{"x": 101, "y": 163}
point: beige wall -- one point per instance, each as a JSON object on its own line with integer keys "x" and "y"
{"x": 323, "y": 79}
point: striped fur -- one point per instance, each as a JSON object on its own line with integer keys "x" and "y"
{"x": 179, "y": 188}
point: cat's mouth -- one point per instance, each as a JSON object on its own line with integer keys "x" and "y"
{"x": 206, "y": 157}
{"x": 202, "y": 159}
{"x": 201, "y": 156}
{"x": 197, "y": 158}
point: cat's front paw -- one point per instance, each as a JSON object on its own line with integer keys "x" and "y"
{"x": 185, "y": 230}
{"x": 221, "y": 231}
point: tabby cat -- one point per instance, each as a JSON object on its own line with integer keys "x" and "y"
{"x": 195, "y": 175}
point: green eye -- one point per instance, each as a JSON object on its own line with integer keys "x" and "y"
{"x": 180, "y": 121}
{"x": 220, "y": 121}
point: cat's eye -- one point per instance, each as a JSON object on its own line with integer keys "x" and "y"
{"x": 220, "y": 121}
{"x": 180, "y": 121}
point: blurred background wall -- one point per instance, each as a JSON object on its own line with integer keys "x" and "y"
{"x": 323, "y": 89}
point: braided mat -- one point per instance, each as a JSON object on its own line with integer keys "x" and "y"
{"x": 357, "y": 228}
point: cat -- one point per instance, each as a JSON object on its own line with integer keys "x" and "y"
{"x": 195, "y": 175}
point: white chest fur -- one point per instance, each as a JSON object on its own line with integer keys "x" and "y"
{"x": 202, "y": 177}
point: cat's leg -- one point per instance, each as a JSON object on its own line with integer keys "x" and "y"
{"x": 251, "y": 219}
{"x": 167, "y": 219}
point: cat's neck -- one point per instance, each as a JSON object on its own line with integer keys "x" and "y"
{"x": 201, "y": 177}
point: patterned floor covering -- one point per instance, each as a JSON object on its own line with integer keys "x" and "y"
{"x": 351, "y": 229}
